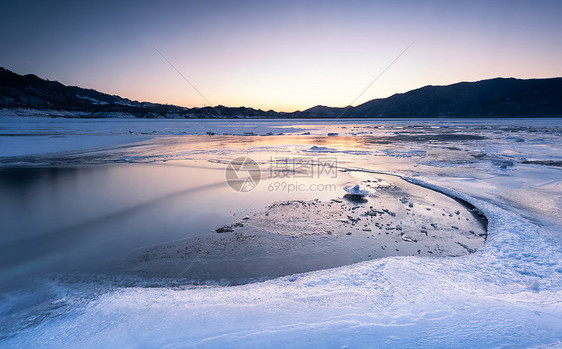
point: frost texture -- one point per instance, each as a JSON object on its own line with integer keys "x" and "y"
{"x": 508, "y": 294}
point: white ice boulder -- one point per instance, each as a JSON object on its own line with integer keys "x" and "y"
{"x": 355, "y": 190}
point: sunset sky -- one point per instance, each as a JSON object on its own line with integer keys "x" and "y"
{"x": 282, "y": 55}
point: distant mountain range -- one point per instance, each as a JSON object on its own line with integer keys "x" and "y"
{"x": 500, "y": 97}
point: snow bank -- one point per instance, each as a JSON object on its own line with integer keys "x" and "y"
{"x": 508, "y": 294}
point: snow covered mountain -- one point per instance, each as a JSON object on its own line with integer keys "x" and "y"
{"x": 498, "y": 97}
{"x": 29, "y": 93}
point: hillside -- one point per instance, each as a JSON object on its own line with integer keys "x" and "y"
{"x": 498, "y": 97}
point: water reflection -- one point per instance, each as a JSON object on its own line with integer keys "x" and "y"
{"x": 76, "y": 218}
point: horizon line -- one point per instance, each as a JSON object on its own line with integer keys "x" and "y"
{"x": 283, "y": 111}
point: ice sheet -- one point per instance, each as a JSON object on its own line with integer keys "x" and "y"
{"x": 508, "y": 294}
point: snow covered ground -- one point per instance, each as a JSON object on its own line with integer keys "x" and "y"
{"x": 508, "y": 294}
{"x": 39, "y": 135}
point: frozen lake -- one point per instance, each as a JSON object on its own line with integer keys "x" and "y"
{"x": 93, "y": 214}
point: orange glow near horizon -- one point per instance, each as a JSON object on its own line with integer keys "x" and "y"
{"x": 285, "y": 56}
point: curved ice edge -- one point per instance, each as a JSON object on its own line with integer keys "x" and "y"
{"x": 520, "y": 243}
{"x": 512, "y": 241}
{"x": 514, "y": 282}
